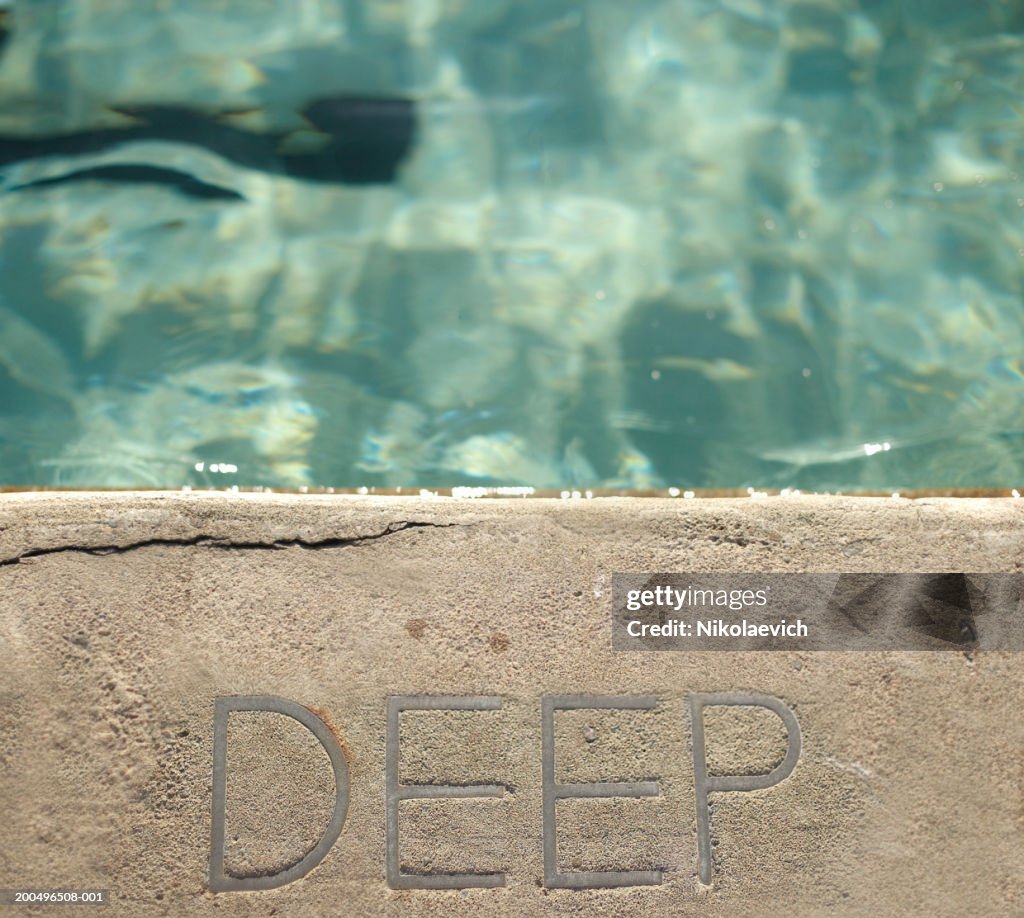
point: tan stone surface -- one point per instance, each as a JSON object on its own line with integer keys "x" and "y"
{"x": 123, "y": 616}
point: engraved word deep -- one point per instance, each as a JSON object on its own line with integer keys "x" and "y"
{"x": 553, "y": 791}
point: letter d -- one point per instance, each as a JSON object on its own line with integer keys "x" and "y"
{"x": 219, "y": 880}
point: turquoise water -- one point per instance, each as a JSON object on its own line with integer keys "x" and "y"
{"x": 565, "y": 245}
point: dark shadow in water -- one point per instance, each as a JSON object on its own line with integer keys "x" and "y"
{"x": 364, "y": 140}
{"x": 138, "y": 174}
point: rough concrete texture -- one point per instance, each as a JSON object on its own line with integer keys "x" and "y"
{"x": 124, "y": 616}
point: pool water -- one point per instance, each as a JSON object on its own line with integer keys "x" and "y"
{"x": 686, "y": 243}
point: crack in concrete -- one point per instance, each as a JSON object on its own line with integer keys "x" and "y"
{"x": 208, "y": 541}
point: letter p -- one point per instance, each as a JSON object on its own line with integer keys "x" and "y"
{"x": 704, "y": 785}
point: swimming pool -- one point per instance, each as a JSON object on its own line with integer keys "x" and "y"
{"x": 565, "y": 245}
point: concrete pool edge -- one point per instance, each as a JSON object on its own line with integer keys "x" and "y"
{"x": 132, "y": 624}
{"x": 799, "y": 532}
